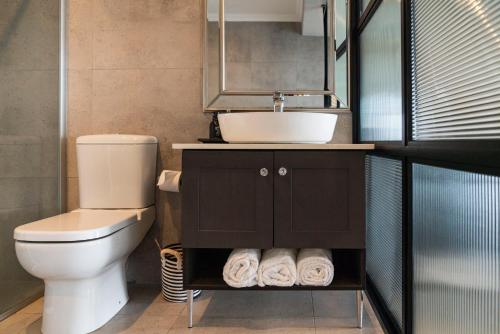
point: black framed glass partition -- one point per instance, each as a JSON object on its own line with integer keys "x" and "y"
{"x": 449, "y": 152}
{"x": 456, "y": 250}
{"x": 380, "y": 108}
{"x": 455, "y": 72}
{"x": 384, "y": 231}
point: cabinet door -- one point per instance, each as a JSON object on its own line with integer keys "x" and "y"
{"x": 226, "y": 201}
{"x": 319, "y": 202}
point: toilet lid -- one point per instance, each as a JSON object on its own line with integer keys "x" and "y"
{"x": 80, "y": 225}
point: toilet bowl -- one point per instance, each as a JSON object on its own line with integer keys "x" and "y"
{"x": 81, "y": 255}
{"x": 83, "y": 268}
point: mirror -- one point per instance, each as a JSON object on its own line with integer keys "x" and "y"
{"x": 296, "y": 47}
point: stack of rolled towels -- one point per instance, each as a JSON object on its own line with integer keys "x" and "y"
{"x": 278, "y": 267}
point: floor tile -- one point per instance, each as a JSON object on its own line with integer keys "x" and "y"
{"x": 120, "y": 324}
{"x": 33, "y": 328}
{"x": 152, "y": 309}
{"x": 346, "y": 325}
{"x": 141, "y": 293}
{"x": 334, "y": 304}
{"x": 19, "y": 322}
{"x": 209, "y": 325}
{"x": 15, "y": 291}
{"x": 140, "y": 324}
{"x": 335, "y": 311}
{"x": 256, "y": 304}
{"x": 34, "y": 308}
{"x": 149, "y": 301}
{"x": 221, "y": 312}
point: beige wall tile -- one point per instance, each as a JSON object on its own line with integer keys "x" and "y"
{"x": 154, "y": 102}
{"x": 29, "y": 114}
{"x": 80, "y": 34}
{"x": 72, "y": 197}
{"x": 79, "y": 101}
{"x": 49, "y": 188}
{"x": 49, "y": 159}
{"x": 19, "y": 192}
{"x": 110, "y": 14}
{"x": 343, "y": 129}
{"x": 79, "y": 113}
{"x": 71, "y": 163}
{"x": 147, "y": 34}
{"x": 144, "y": 264}
{"x": 20, "y": 160}
{"x": 9, "y": 9}
{"x": 139, "y": 46}
{"x": 32, "y": 35}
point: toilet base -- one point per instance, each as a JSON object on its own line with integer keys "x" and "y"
{"x": 82, "y": 306}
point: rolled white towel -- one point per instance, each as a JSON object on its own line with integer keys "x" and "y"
{"x": 240, "y": 270}
{"x": 278, "y": 267}
{"x": 314, "y": 267}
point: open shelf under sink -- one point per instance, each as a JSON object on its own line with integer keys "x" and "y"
{"x": 203, "y": 270}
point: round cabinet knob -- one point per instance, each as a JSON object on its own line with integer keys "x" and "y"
{"x": 264, "y": 172}
{"x": 282, "y": 171}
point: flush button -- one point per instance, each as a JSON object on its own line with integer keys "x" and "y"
{"x": 282, "y": 171}
{"x": 264, "y": 172}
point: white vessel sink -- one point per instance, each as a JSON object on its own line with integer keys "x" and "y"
{"x": 277, "y": 127}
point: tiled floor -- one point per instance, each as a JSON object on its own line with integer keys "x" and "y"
{"x": 14, "y": 291}
{"x": 235, "y": 312}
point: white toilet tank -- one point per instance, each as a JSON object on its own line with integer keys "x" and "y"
{"x": 116, "y": 171}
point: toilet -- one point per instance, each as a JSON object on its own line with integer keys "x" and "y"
{"x": 81, "y": 255}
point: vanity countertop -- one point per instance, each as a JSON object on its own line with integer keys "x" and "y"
{"x": 201, "y": 146}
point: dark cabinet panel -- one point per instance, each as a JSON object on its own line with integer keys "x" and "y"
{"x": 319, "y": 199}
{"x": 226, "y": 202}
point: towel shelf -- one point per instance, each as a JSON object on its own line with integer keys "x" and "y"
{"x": 203, "y": 270}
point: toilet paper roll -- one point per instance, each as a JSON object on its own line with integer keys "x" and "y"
{"x": 170, "y": 180}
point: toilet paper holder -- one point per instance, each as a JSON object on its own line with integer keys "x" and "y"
{"x": 170, "y": 180}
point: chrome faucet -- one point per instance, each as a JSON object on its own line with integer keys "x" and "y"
{"x": 279, "y": 101}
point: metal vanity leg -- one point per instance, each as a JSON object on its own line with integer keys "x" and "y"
{"x": 190, "y": 308}
{"x": 359, "y": 307}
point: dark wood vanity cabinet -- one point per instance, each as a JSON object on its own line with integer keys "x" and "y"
{"x": 265, "y": 199}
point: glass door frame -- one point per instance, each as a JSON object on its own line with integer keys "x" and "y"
{"x": 62, "y": 133}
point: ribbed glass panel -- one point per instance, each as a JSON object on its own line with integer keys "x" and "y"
{"x": 456, "y": 69}
{"x": 456, "y": 251}
{"x": 380, "y": 86}
{"x": 384, "y": 230}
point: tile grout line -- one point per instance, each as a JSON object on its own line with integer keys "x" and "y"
{"x": 176, "y": 319}
{"x": 314, "y": 311}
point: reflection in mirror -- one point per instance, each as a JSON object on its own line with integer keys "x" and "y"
{"x": 275, "y": 45}
{"x": 274, "y": 55}
{"x": 211, "y": 61}
{"x": 341, "y": 79}
{"x": 340, "y": 21}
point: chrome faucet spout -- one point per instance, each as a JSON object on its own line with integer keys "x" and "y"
{"x": 279, "y": 101}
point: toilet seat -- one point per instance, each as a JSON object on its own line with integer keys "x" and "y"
{"x": 80, "y": 225}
